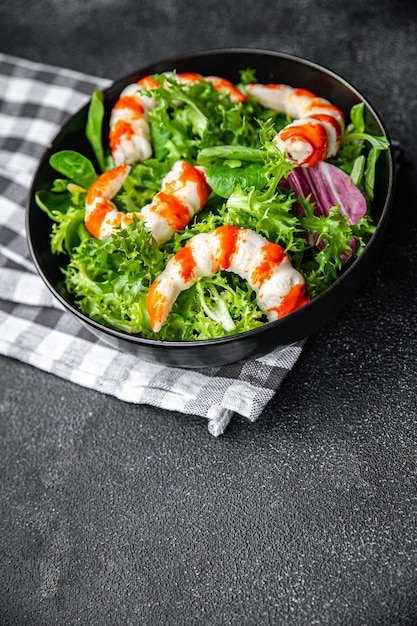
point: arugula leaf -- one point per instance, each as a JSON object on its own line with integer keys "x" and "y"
{"x": 94, "y": 127}
{"x": 358, "y": 168}
{"x": 369, "y": 174}
{"x": 357, "y": 143}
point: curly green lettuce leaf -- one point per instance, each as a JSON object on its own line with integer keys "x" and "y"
{"x": 109, "y": 278}
{"x": 334, "y": 241}
{"x": 143, "y": 182}
{"x": 68, "y": 231}
{"x": 193, "y": 116}
{"x": 214, "y": 307}
{"x": 267, "y": 210}
{"x": 66, "y": 208}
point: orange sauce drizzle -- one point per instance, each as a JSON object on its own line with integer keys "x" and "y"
{"x": 101, "y": 184}
{"x": 175, "y": 212}
{"x": 273, "y": 254}
{"x": 132, "y": 103}
{"x": 275, "y": 86}
{"x": 190, "y": 174}
{"x": 186, "y": 261}
{"x": 294, "y": 299}
{"x": 96, "y": 218}
{"x": 148, "y": 82}
{"x": 228, "y": 239}
{"x": 320, "y": 103}
{"x": 155, "y": 303}
{"x": 192, "y": 77}
{"x": 121, "y": 130}
{"x": 329, "y": 119}
{"x": 314, "y": 134}
{"x": 299, "y": 92}
{"x": 222, "y": 84}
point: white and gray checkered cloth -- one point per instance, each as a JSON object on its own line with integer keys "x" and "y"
{"x": 35, "y": 100}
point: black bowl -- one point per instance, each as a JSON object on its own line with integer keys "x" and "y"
{"x": 270, "y": 67}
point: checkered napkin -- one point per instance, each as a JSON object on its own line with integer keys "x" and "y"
{"x": 35, "y": 100}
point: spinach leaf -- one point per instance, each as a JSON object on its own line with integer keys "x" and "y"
{"x": 53, "y": 203}
{"x": 74, "y": 166}
{"x": 225, "y": 177}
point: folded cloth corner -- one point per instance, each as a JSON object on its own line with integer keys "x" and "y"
{"x": 35, "y": 100}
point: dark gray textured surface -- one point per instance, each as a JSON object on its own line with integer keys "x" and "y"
{"x": 117, "y": 514}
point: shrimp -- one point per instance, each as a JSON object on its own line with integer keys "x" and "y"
{"x": 226, "y": 86}
{"x": 130, "y": 136}
{"x": 101, "y": 215}
{"x": 222, "y": 85}
{"x": 184, "y": 193}
{"x": 279, "y": 287}
{"x": 317, "y": 129}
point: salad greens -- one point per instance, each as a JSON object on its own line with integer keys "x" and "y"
{"x": 108, "y": 279}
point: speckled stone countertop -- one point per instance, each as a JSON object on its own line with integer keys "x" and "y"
{"x": 119, "y": 514}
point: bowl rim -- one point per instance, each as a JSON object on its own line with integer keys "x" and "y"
{"x": 218, "y": 341}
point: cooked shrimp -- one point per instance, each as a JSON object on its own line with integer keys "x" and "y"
{"x": 279, "y": 287}
{"x": 130, "y": 137}
{"x": 316, "y": 132}
{"x": 101, "y": 215}
{"x": 226, "y": 86}
{"x": 222, "y": 85}
{"x": 184, "y": 193}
